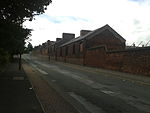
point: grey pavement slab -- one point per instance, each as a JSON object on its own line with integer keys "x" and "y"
{"x": 16, "y": 93}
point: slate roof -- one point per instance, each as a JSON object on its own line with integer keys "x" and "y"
{"x": 94, "y": 33}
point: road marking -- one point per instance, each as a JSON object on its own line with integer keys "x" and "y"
{"x": 112, "y": 75}
{"x": 33, "y": 65}
{"x": 84, "y": 80}
{"x": 41, "y": 71}
{"x": 88, "y": 105}
{"x": 53, "y": 80}
{"x": 110, "y": 92}
{"x": 92, "y": 83}
{"x": 98, "y": 71}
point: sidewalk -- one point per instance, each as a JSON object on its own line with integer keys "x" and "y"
{"x": 16, "y": 93}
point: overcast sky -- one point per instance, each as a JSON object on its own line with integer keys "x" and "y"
{"x": 130, "y": 18}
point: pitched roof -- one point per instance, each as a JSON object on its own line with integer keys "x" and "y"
{"x": 94, "y": 33}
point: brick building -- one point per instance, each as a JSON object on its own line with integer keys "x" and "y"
{"x": 43, "y": 49}
{"x": 74, "y": 51}
{"x": 54, "y": 49}
{"x": 103, "y": 48}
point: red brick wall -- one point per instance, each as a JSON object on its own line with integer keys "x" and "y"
{"x": 108, "y": 39}
{"x": 61, "y": 59}
{"x": 52, "y": 58}
{"x": 75, "y": 56}
{"x": 75, "y": 60}
{"x": 135, "y": 61}
{"x": 95, "y": 58}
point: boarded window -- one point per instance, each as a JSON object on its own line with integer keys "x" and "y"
{"x": 66, "y": 51}
{"x": 81, "y": 47}
{"x": 60, "y": 51}
{"x": 73, "y": 49}
{"x": 54, "y": 48}
{"x": 48, "y": 50}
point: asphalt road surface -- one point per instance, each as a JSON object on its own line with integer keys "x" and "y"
{"x": 96, "y": 90}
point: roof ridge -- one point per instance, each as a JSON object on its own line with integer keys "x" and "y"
{"x": 95, "y": 32}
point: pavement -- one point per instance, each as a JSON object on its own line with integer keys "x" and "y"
{"x": 16, "y": 92}
{"x": 21, "y": 94}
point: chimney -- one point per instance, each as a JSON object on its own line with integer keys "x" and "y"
{"x": 57, "y": 39}
{"x": 68, "y": 36}
{"x": 42, "y": 44}
{"x": 84, "y": 32}
{"x": 48, "y": 42}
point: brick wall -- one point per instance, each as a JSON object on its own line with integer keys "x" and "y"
{"x": 135, "y": 61}
{"x": 61, "y": 59}
{"x": 95, "y": 57}
{"x": 78, "y": 61}
{"x": 108, "y": 39}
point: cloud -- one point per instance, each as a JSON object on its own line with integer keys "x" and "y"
{"x": 130, "y": 18}
{"x": 76, "y": 18}
{"x": 137, "y": 0}
{"x": 141, "y": 1}
{"x": 61, "y": 19}
{"x": 136, "y": 22}
{"x": 51, "y": 19}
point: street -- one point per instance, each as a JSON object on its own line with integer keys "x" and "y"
{"x": 96, "y": 90}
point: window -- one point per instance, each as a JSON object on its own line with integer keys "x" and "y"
{"x": 66, "y": 51}
{"x": 81, "y": 47}
{"x": 60, "y": 51}
{"x": 73, "y": 49}
{"x": 53, "y": 48}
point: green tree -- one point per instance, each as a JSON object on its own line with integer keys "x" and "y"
{"x": 29, "y": 48}
{"x": 13, "y": 37}
{"x": 17, "y": 11}
{"x": 12, "y": 15}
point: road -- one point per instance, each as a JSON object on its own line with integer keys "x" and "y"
{"x": 96, "y": 90}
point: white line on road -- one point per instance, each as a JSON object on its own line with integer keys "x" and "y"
{"x": 89, "y": 106}
{"x": 144, "y": 106}
{"x": 82, "y": 79}
{"x": 40, "y": 70}
{"x": 109, "y": 92}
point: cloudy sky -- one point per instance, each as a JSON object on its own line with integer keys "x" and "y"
{"x": 130, "y": 18}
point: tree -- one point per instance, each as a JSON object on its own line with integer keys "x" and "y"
{"x": 12, "y": 15}
{"x": 13, "y": 37}
{"x": 29, "y": 48}
{"x": 17, "y": 11}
